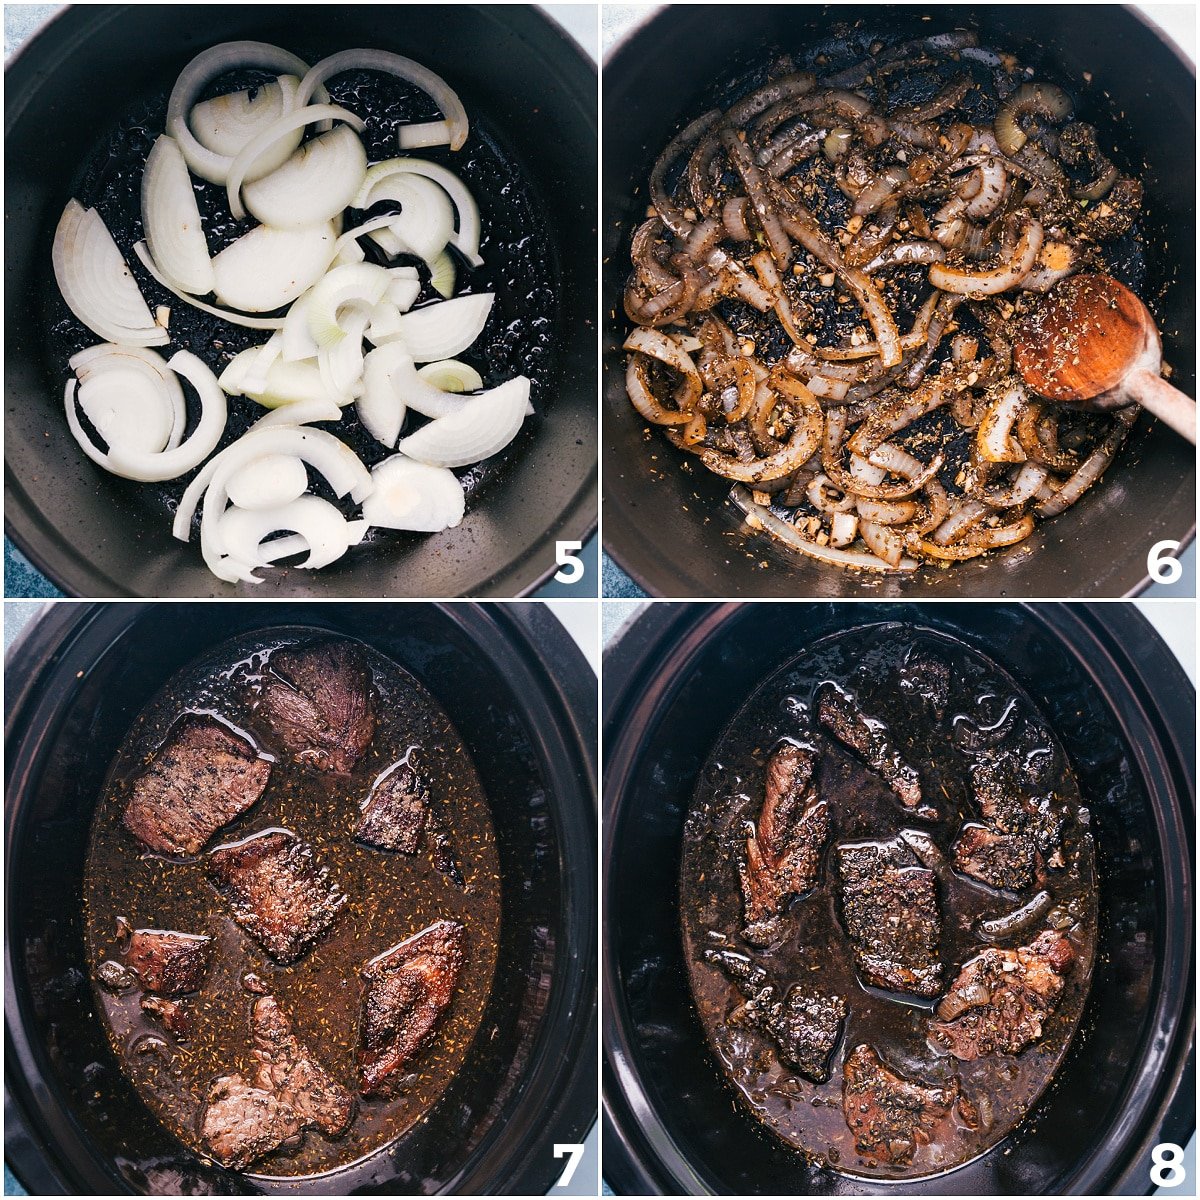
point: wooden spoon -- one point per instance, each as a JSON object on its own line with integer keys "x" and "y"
{"x": 1092, "y": 340}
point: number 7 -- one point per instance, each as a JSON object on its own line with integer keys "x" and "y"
{"x": 573, "y": 1152}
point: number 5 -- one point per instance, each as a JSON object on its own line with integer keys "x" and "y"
{"x": 566, "y": 554}
{"x": 572, "y": 1151}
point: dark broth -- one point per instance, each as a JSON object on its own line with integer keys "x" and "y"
{"x": 871, "y": 664}
{"x": 391, "y": 897}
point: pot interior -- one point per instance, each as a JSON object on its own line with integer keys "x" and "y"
{"x": 696, "y": 674}
{"x": 667, "y": 522}
{"x": 105, "y": 1138}
{"x": 96, "y": 535}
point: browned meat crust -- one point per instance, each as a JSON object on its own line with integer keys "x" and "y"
{"x": 202, "y": 777}
{"x": 173, "y": 1015}
{"x": 1001, "y": 998}
{"x": 1001, "y": 860}
{"x": 406, "y": 991}
{"x": 890, "y": 909}
{"x": 289, "y": 1070}
{"x": 1013, "y": 793}
{"x": 169, "y": 963}
{"x": 783, "y": 851}
{"x": 241, "y": 1123}
{"x": 839, "y": 713}
{"x": 319, "y": 701}
{"x": 890, "y": 1116}
{"x": 276, "y": 890}
{"x": 395, "y": 813}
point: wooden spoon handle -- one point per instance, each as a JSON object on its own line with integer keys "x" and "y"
{"x": 1167, "y": 403}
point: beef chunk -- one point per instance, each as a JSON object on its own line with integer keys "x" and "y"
{"x": 319, "y": 701}
{"x": 1001, "y": 998}
{"x": 1001, "y": 860}
{"x": 926, "y": 677}
{"x": 804, "y": 1026}
{"x": 394, "y": 815}
{"x": 783, "y": 851}
{"x": 169, "y": 963}
{"x": 289, "y": 1070}
{"x": 241, "y": 1123}
{"x": 839, "y": 713}
{"x": 1012, "y": 783}
{"x": 276, "y": 890}
{"x": 201, "y": 778}
{"x": 173, "y": 1015}
{"x": 405, "y": 992}
{"x": 890, "y": 908}
{"x": 890, "y": 1116}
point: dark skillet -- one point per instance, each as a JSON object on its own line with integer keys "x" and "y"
{"x": 1122, "y": 708}
{"x": 671, "y": 529}
{"x": 532, "y": 92}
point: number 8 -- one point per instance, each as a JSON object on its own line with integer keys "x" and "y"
{"x": 1167, "y": 1171}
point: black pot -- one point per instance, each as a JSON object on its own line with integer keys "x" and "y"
{"x": 523, "y": 699}
{"x": 95, "y": 535}
{"x": 672, "y": 529}
{"x": 1124, "y": 712}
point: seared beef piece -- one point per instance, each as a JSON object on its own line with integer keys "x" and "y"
{"x": 172, "y": 1014}
{"x": 319, "y": 701}
{"x": 890, "y": 1116}
{"x": 1001, "y": 860}
{"x": 890, "y": 908}
{"x": 394, "y": 815}
{"x": 289, "y": 1070}
{"x": 1001, "y": 998}
{"x": 442, "y": 847}
{"x": 201, "y": 778}
{"x": 1011, "y": 792}
{"x": 241, "y": 1123}
{"x": 804, "y": 1025}
{"x": 783, "y": 851}
{"x": 839, "y": 713}
{"x": 405, "y": 992}
{"x": 114, "y": 977}
{"x": 169, "y": 963}
{"x": 927, "y": 677}
{"x": 276, "y": 890}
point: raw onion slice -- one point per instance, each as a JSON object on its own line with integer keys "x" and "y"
{"x": 466, "y": 239}
{"x": 226, "y": 123}
{"x": 285, "y": 382}
{"x": 425, "y": 223}
{"x": 482, "y": 427}
{"x": 128, "y": 409}
{"x": 268, "y": 268}
{"x": 453, "y": 130}
{"x": 446, "y": 328}
{"x": 415, "y": 496}
{"x": 209, "y": 65}
{"x": 450, "y": 375}
{"x": 314, "y": 185}
{"x": 171, "y": 217}
{"x": 443, "y": 274}
{"x": 234, "y": 318}
{"x": 341, "y": 362}
{"x": 385, "y": 324}
{"x": 271, "y": 481}
{"x": 248, "y": 161}
{"x": 96, "y": 283}
{"x": 144, "y": 467}
{"x": 300, "y": 412}
{"x": 108, "y": 357}
{"x": 381, "y": 408}
{"x": 354, "y": 289}
{"x": 325, "y": 532}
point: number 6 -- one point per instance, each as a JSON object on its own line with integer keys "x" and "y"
{"x": 1163, "y": 568}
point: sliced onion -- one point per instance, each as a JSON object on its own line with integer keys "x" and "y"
{"x": 482, "y": 427}
{"x": 426, "y": 220}
{"x": 226, "y": 123}
{"x": 446, "y": 328}
{"x": 466, "y": 240}
{"x": 242, "y": 532}
{"x": 381, "y": 408}
{"x": 285, "y": 383}
{"x": 403, "y": 290}
{"x": 247, "y": 163}
{"x": 300, "y": 412}
{"x": 171, "y": 217}
{"x": 341, "y": 362}
{"x": 268, "y": 268}
{"x": 96, "y": 283}
{"x": 209, "y": 65}
{"x": 990, "y": 281}
{"x": 994, "y": 439}
{"x": 385, "y": 324}
{"x": 355, "y": 289}
{"x": 128, "y": 408}
{"x": 452, "y": 130}
{"x": 413, "y": 495}
{"x": 450, "y": 375}
{"x": 269, "y": 482}
{"x": 297, "y": 340}
{"x": 108, "y": 357}
{"x": 314, "y": 185}
{"x": 234, "y": 318}
{"x": 442, "y": 275}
